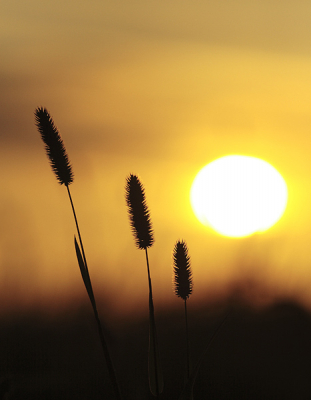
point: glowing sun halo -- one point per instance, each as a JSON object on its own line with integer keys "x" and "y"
{"x": 238, "y": 195}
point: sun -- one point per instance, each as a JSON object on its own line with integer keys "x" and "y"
{"x": 238, "y": 195}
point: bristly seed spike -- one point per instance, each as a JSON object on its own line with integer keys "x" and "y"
{"x": 182, "y": 270}
{"x": 54, "y": 146}
{"x": 138, "y": 212}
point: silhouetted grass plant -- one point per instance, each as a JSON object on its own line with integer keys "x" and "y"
{"x": 183, "y": 284}
{"x": 143, "y": 234}
{"x": 61, "y": 166}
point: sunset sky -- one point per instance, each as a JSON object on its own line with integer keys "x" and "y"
{"x": 157, "y": 89}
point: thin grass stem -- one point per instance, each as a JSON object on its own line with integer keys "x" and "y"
{"x": 152, "y": 321}
{"x": 187, "y": 341}
{"x": 187, "y": 393}
{"x": 110, "y": 366}
{"x": 149, "y": 277}
{"x": 77, "y": 225}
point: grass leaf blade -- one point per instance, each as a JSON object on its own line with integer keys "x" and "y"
{"x": 84, "y": 273}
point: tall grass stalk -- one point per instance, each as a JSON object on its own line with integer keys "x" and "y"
{"x": 143, "y": 235}
{"x": 187, "y": 393}
{"x": 183, "y": 285}
{"x": 61, "y": 166}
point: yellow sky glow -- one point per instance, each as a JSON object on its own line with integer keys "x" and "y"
{"x": 157, "y": 90}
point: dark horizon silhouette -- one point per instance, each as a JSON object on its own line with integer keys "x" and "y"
{"x": 257, "y": 354}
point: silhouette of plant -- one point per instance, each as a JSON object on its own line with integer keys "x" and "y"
{"x": 183, "y": 288}
{"x": 143, "y": 234}
{"x": 60, "y": 164}
{"x": 183, "y": 284}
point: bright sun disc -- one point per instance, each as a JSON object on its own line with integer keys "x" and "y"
{"x": 238, "y": 195}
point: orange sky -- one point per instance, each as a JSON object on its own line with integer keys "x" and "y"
{"x": 158, "y": 89}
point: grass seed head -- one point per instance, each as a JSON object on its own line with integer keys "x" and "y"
{"x": 138, "y": 212}
{"x": 182, "y": 271}
{"x": 54, "y": 146}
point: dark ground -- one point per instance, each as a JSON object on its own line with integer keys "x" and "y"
{"x": 263, "y": 354}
